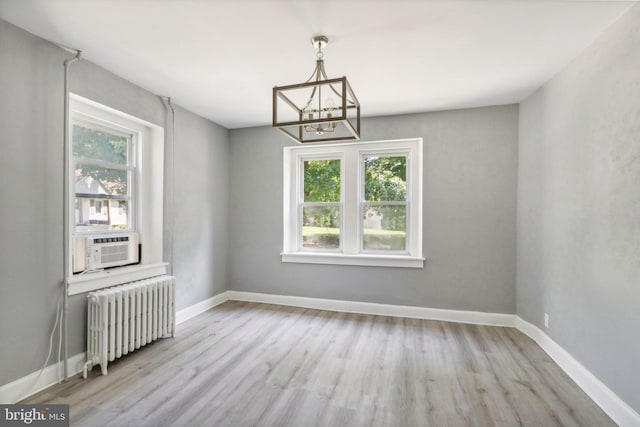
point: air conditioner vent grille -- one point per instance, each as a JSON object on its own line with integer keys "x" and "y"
{"x": 114, "y": 253}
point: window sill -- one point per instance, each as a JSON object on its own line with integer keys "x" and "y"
{"x": 114, "y": 276}
{"x": 360, "y": 259}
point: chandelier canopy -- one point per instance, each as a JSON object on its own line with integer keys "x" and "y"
{"x": 318, "y": 110}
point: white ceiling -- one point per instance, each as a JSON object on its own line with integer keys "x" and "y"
{"x": 220, "y": 59}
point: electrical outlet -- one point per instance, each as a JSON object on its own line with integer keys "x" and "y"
{"x": 546, "y": 320}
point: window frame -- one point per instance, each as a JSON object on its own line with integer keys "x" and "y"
{"x": 352, "y": 198}
{"x": 362, "y": 202}
{"x": 301, "y": 204}
{"x": 148, "y": 187}
{"x": 133, "y": 134}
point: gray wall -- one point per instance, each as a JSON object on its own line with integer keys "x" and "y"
{"x": 31, "y": 112}
{"x": 200, "y": 208}
{"x": 579, "y": 208}
{"x": 470, "y": 162}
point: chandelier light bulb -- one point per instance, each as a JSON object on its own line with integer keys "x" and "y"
{"x": 330, "y": 107}
{"x": 307, "y": 113}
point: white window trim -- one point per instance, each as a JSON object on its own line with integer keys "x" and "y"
{"x": 350, "y": 252}
{"x": 148, "y": 193}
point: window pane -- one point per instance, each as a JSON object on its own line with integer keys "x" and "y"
{"x": 385, "y": 178}
{"x": 384, "y": 228}
{"x": 91, "y": 179}
{"x": 321, "y": 227}
{"x": 99, "y": 145}
{"x": 101, "y": 214}
{"x": 322, "y": 180}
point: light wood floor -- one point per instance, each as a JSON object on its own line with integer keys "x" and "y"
{"x": 245, "y": 364}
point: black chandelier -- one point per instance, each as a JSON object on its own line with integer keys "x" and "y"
{"x": 318, "y": 110}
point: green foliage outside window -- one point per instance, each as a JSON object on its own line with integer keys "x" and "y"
{"x": 385, "y": 179}
{"x": 322, "y": 180}
{"x": 95, "y": 144}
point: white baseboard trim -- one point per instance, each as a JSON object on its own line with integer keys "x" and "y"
{"x": 621, "y": 413}
{"x": 15, "y": 391}
{"x": 199, "y": 308}
{"x": 474, "y": 317}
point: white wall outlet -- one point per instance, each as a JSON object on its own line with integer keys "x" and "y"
{"x": 546, "y": 320}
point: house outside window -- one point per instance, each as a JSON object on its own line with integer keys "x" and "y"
{"x": 356, "y": 204}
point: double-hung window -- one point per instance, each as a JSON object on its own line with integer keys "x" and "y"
{"x": 355, "y": 203}
{"x": 383, "y": 203}
{"x": 104, "y": 165}
{"x": 320, "y": 207}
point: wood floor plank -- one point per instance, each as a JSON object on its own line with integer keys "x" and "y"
{"x": 250, "y": 364}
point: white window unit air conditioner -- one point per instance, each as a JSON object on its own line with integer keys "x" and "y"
{"x": 103, "y": 251}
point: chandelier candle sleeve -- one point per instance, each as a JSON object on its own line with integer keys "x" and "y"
{"x": 318, "y": 110}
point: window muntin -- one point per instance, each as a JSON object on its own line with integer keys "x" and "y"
{"x": 320, "y": 208}
{"x": 103, "y": 162}
{"x": 383, "y": 208}
{"x": 381, "y": 222}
